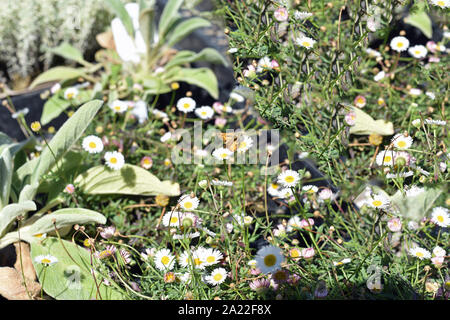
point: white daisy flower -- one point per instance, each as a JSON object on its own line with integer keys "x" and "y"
{"x": 264, "y": 64}
{"x": 435, "y": 122}
{"x": 217, "y": 276}
{"x": 401, "y": 141}
{"x": 198, "y": 258}
{"x": 92, "y": 144}
{"x": 285, "y": 193}
{"x": 164, "y": 260}
{"x": 172, "y": 219}
{"x": 343, "y": 261}
{"x": 293, "y": 224}
{"x": 420, "y": 253}
{"x": 281, "y": 14}
{"x": 212, "y": 256}
{"x": 204, "y": 112}
{"x": 274, "y": 189}
{"x": 244, "y": 144}
{"x": 418, "y": 51}
{"x": 430, "y": 95}
{"x": 166, "y": 137}
{"x": 119, "y": 106}
{"x": 301, "y": 15}
{"x": 186, "y": 104}
{"x": 140, "y": 111}
{"x": 159, "y": 114}
{"x": 305, "y": 42}
{"x": 23, "y": 112}
{"x": 399, "y": 44}
{"x": 187, "y": 202}
{"x": 415, "y": 92}
{"x": 326, "y": 194}
{"x": 380, "y": 75}
{"x": 269, "y": 259}
{"x": 289, "y": 178}
{"x": 310, "y": 189}
{"x": 378, "y": 201}
{"x": 114, "y": 160}
{"x": 440, "y": 216}
{"x": 439, "y": 252}
{"x": 385, "y": 158}
{"x": 222, "y": 154}
{"x": 46, "y": 260}
{"x": 71, "y": 93}
{"x": 373, "y": 53}
{"x": 234, "y": 96}
{"x": 441, "y": 3}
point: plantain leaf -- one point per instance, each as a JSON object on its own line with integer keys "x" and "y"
{"x": 186, "y": 56}
{"x": 130, "y": 180}
{"x": 201, "y": 77}
{"x": 58, "y": 73}
{"x": 366, "y": 125}
{"x": 168, "y": 16}
{"x": 185, "y": 28}
{"x": 72, "y": 276}
{"x": 9, "y": 213}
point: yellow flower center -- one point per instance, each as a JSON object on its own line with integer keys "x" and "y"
{"x": 306, "y": 44}
{"x": 419, "y": 254}
{"x": 242, "y": 145}
{"x": 274, "y": 185}
{"x": 186, "y": 105}
{"x": 360, "y": 100}
{"x": 417, "y": 52}
{"x": 165, "y": 260}
{"x": 92, "y": 145}
{"x": 270, "y": 260}
{"x": 401, "y": 144}
{"x": 146, "y": 161}
{"x": 441, "y": 3}
{"x": 295, "y": 253}
{"x": 400, "y": 44}
{"x": 203, "y": 113}
{"x": 211, "y": 259}
{"x": 113, "y": 160}
{"x": 218, "y": 277}
{"x": 224, "y": 155}
{"x": 387, "y": 159}
{"x": 377, "y": 203}
{"x": 197, "y": 261}
{"x": 70, "y": 95}
{"x": 45, "y": 260}
{"x": 440, "y": 218}
{"x": 188, "y": 205}
{"x": 173, "y": 220}
{"x": 117, "y": 108}
{"x": 289, "y": 179}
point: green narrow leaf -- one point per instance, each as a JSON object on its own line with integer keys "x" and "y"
{"x": 67, "y": 51}
{"x": 71, "y": 277}
{"x": 119, "y": 10}
{"x": 201, "y": 77}
{"x": 56, "y": 74}
{"x": 168, "y": 16}
{"x": 185, "y": 28}
{"x": 66, "y": 136}
{"x": 130, "y": 180}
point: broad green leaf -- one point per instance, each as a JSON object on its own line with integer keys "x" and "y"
{"x": 155, "y": 85}
{"x": 169, "y": 16}
{"x": 366, "y": 125}
{"x": 57, "y": 105}
{"x": 66, "y": 136}
{"x": 71, "y": 277}
{"x": 119, "y": 10}
{"x": 185, "y": 28}
{"x": 9, "y": 213}
{"x": 130, "y": 180}
{"x": 57, "y": 73}
{"x": 5, "y": 139}
{"x": 64, "y": 218}
{"x": 186, "y": 56}
{"x": 201, "y": 77}
{"x": 415, "y": 207}
{"x": 28, "y": 193}
{"x": 67, "y": 51}
{"x": 6, "y": 171}
{"x": 422, "y": 21}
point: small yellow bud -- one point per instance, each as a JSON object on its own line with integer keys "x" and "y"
{"x": 36, "y": 126}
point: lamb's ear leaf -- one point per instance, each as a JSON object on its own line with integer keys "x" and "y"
{"x": 130, "y": 180}
{"x": 420, "y": 19}
{"x": 121, "y": 12}
{"x": 58, "y": 74}
{"x": 366, "y": 125}
{"x": 168, "y": 16}
{"x": 69, "y": 52}
{"x": 185, "y": 56}
{"x": 415, "y": 207}
{"x": 186, "y": 27}
{"x": 9, "y": 213}
{"x": 201, "y": 77}
{"x": 71, "y": 277}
